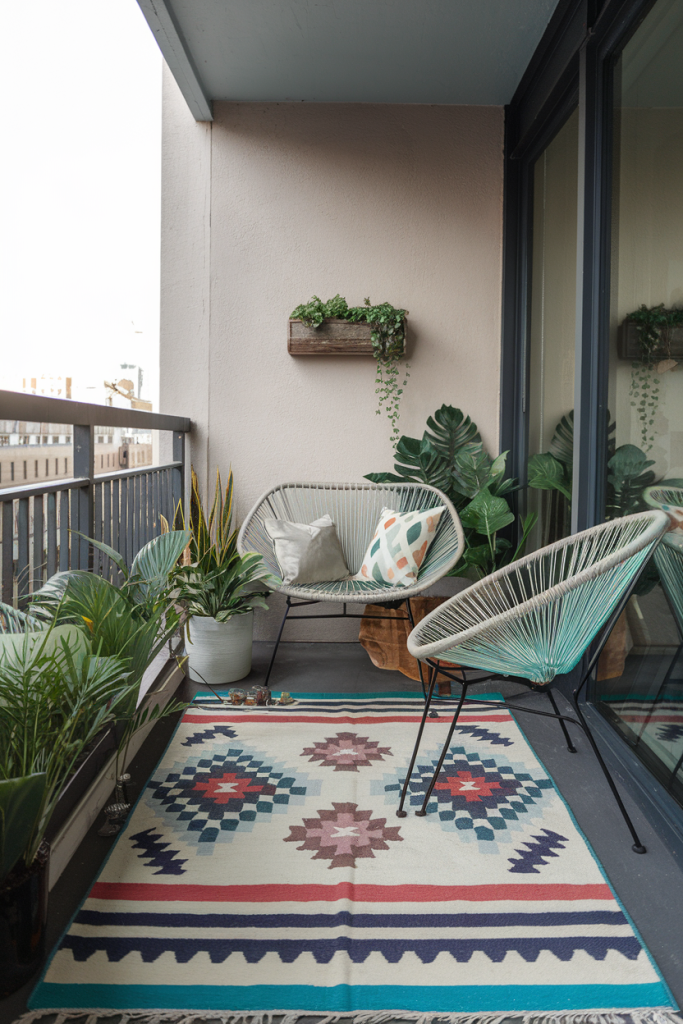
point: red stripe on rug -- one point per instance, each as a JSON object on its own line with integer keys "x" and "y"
{"x": 276, "y": 893}
{"x": 329, "y": 719}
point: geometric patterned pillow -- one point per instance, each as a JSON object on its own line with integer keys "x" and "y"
{"x": 399, "y": 545}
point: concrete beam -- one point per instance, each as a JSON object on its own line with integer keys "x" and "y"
{"x": 161, "y": 20}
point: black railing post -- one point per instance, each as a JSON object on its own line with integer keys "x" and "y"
{"x": 7, "y": 551}
{"x": 84, "y": 466}
{"x": 178, "y": 477}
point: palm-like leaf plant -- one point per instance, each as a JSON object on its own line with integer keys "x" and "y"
{"x": 54, "y": 699}
{"x": 132, "y": 621}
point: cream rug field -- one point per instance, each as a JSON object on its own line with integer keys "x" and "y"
{"x": 264, "y": 871}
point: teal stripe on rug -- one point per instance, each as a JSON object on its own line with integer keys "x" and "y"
{"x": 271, "y": 998}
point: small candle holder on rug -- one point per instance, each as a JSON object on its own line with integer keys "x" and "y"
{"x": 258, "y": 695}
{"x": 122, "y": 788}
{"x": 116, "y": 815}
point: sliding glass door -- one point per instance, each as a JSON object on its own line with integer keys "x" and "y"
{"x": 640, "y": 683}
{"x": 552, "y": 334}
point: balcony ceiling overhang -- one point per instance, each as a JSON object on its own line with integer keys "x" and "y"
{"x": 347, "y": 51}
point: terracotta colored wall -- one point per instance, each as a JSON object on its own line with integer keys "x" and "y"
{"x": 276, "y": 202}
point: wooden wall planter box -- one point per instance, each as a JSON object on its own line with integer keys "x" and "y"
{"x": 628, "y": 345}
{"x": 334, "y": 337}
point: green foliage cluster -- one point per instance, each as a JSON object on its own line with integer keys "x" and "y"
{"x": 133, "y": 620}
{"x": 54, "y": 700}
{"x": 388, "y": 345}
{"x": 451, "y": 456}
{"x": 213, "y": 581}
{"x": 627, "y": 470}
{"x": 313, "y": 312}
{"x": 653, "y": 324}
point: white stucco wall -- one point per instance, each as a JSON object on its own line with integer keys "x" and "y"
{"x": 273, "y": 203}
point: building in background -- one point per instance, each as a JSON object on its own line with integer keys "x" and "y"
{"x": 35, "y": 452}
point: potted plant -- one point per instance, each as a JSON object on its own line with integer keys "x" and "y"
{"x": 55, "y": 697}
{"x": 213, "y": 587}
{"x": 335, "y": 328}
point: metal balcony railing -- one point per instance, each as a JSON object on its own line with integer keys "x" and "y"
{"x": 123, "y": 509}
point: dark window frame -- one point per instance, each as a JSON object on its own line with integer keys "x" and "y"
{"x": 573, "y": 64}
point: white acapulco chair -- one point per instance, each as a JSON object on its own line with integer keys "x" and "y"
{"x": 534, "y": 620}
{"x": 355, "y": 508}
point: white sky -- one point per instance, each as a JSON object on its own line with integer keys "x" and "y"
{"x": 80, "y": 186}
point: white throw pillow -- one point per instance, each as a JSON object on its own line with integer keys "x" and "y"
{"x": 399, "y": 545}
{"x": 307, "y": 553}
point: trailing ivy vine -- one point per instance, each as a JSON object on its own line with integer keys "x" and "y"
{"x": 653, "y": 325}
{"x": 388, "y": 345}
{"x": 644, "y": 395}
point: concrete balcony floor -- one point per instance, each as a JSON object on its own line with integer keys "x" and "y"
{"x": 649, "y": 886}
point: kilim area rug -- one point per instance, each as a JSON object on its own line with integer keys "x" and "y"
{"x": 264, "y": 870}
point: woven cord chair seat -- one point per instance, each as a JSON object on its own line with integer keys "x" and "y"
{"x": 355, "y": 509}
{"x": 669, "y": 555}
{"x": 536, "y": 617}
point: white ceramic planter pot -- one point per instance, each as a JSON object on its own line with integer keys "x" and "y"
{"x": 220, "y": 652}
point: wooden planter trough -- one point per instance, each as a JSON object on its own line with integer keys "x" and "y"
{"x": 628, "y": 345}
{"x": 334, "y": 337}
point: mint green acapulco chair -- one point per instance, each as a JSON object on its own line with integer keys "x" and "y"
{"x": 534, "y": 620}
{"x": 355, "y": 509}
{"x": 668, "y": 558}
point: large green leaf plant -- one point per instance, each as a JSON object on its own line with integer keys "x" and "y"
{"x": 628, "y": 472}
{"x": 451, "y": 456}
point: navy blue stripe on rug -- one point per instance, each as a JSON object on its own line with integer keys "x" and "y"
{"x": 253, "y": 950}
{"x": 549, "y": 919}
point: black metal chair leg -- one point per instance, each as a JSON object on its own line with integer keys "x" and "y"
{"x": 277, "y": 643}
{"x": 423, "y": 810}
{"x": 400, "y": 813}
{"x": 419, "y": 663}
{"x": 551, "y": 697}
{"x": 637, "y": 845}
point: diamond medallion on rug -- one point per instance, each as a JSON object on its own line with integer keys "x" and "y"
{"x": 264, "y": 870}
